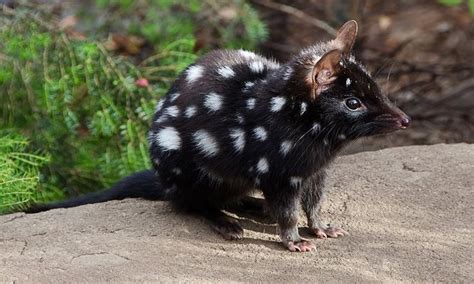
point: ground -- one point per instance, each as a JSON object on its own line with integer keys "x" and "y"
{"x": 408, "y": 211}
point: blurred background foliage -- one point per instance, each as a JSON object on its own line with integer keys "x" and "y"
{"x": 82, "y": 87}
{"x": 19, "y": 173}
{"x": 79, "y": 80}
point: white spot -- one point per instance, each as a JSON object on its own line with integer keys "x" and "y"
{"x": 238, "y": 139}
{"x": 239, "y": 118}
{"x": 213, "y": 102}
{"x": 176, "y": 171}
{"x": 172, "y": 111}
{"x": 190, "y": 111}
{"x": 296, "y": 181}
{"x": 256, "y": 66}
{"x": 325, "y": 141}
{"x": 348, "y": 82}
{"x": 168, "y": 139}
{"x": 316, "y": 127}
{"x": 272, "y": 64}
{"x": 248, "y": 85}
{"x": 193, "y": 73}
{"x": 174, "y": 96}
{"x": 247, "y": 54}
{"x": 262, "y": 166}
{"x": 226, "y": 72}
{"x": 161, "y": 118}
{"x": 257, "y": 181}
{"x": 368, "y": 86}
{"x": 206, "y": 143}
{"x": 251, "y": 169}
{"x": 285, "y": 147}
{"x": 342, "y": 136}
{"x": 288, "y": 73}
{"x": 159, "y": 106}
{"x": 277, "y": 103}
{"x": 156, "y": 161}
{"x": 251, "y": 103}
{"x": 260, "y": 133}
{"x": 303, "y": 108}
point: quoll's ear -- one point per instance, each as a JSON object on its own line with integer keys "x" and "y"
{"x": 346, "y": 37}
{"x": 325, "y": 72}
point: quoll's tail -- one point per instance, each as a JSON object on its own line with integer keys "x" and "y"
{"x": 143, "y": 184}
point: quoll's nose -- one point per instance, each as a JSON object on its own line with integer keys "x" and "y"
{"x": 405, "y": 121}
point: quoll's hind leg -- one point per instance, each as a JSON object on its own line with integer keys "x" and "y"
{"x": 198, "y": 194}
{"x": 227, "y": 226}
{"x": 284, "y": 204}
{"x": 312, "y": 197}
{"x": 249, "y": 205}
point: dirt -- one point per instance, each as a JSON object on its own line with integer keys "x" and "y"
{"x": 408, "y": 210}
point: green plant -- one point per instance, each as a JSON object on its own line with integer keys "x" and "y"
{"x": 19, "y": 174}
{"x": 78, "y": 103}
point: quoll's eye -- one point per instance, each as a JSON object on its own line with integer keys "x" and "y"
{"x": 353, "y": 104}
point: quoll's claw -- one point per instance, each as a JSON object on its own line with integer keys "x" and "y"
{"x": 320, "y": 234}
{"x": 301, "y": 246}
{"x": 331, "y": 232}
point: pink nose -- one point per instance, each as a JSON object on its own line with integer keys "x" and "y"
{"x": 405, "y": 121}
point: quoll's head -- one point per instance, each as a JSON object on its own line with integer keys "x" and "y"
{"x": 344, "y": 90}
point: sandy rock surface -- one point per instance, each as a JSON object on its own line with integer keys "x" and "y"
{"x": 409, "y": 212}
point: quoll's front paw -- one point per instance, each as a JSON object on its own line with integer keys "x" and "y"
{"x": 302, "y": 245}
{"x": 329, "y": 232}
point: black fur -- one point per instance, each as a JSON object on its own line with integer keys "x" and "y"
{"x": 209, "y": 182}
{"x": 139, "y": 185}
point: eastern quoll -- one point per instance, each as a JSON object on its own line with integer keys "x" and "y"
{"x": 235, "y": 122}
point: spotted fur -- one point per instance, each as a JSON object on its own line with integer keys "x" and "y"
{"x": 248, "y": 121}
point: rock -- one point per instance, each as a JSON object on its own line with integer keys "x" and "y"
{"x": 408, "y": 210}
